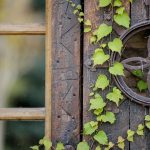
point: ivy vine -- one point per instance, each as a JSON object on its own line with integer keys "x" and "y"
{"x": 97, "y": 103}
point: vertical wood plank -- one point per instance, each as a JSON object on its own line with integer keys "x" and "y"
{"x": 66, "y": 74}
{"x": 122, "y": 114}
{"x": 137, "y": 112}
{"x": 48, "y": 64}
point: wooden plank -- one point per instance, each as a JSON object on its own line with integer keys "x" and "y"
{"x": 66, "y": 75}
{"x": 24, "y": 29}
{"x": 22, "y": 113}
{"x": 122, "y": 114}
{"x": 48, "y": 68}
{"x": 137, "y": 112}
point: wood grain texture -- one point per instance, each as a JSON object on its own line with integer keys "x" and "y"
{"x": 24, "y": 29}
{"x": 22, "y": 113}
{"x": 137, "y": 112}
{"x": 66, "y": 75}
{"x": 48, "y": 69}
{"x": 122, "y": 114}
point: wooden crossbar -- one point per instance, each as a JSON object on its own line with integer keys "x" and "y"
{"x": 24, "y": 29}
{"x": 22, "y": 113}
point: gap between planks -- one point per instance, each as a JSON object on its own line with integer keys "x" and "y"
{"x": 24, "y": 29}
{"x": 22, "y": 113}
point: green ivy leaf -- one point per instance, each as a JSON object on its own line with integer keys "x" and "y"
{"x": 140, "y": 130}
{"x": 122, "y": 19}
{"x": 108, "y": 117}
{"x": 97, "y": 102}
{"x": 121, "y": 143}
{"x": 98, "y": 148}
{"x": 83, "y": 146}
{"x": 35, "y": 147}
{"x": 110, "y": 146}
{"x": 98, "y": 111}
{"x": 87, "y": 23}
{"x": 147, "y": 125}
{"x": 142, "y": 85}
{"x": 117, "y": 69}
{"x": 87, "y": 29}
{"x": 138, "y": 73}
{"x": 120, "y": 10}
{"x": 99, "y": 57}
{"x": 79, "y": 7}
{"x": 147, "y": 118}
{"x": 130, "y": 134}
{"x": 115, "y": 96}
{"x": 102, "y": 82}
{"x": 47, "y": 143}
{"x": 117, "y": 3}
{"x": 60, "y": 146}
{"x": 81, "y": 14}
{"x": 116, "y": 45}
{"x": 104, "y": 3}
{"x": 102, "y": 31}
{"x": 92, "y": 39}
{"x": 101, "y": 138}
{"x": 90, "y": 127}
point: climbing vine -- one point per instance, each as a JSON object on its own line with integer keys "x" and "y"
{"x": 97, "y": 103}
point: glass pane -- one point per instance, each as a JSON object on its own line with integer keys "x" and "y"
{"x": 22, "y": 71}
{"x": 20, "y": 135}
{"x": 22, "y": 11}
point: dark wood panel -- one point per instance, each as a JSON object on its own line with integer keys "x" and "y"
{"x": 66, "y": 75}
{"x": 122, "y": 114}
{"x": 137, "y": 112}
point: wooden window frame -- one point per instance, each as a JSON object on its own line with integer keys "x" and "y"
{"x": 34, "y": 29}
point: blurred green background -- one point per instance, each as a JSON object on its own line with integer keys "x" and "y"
{"x": 22, "y": 75}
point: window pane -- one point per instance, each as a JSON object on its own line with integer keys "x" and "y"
{"x": 22, "y": 71}
{"x": 20, "y": 135}
{"x": 22, "y": 11}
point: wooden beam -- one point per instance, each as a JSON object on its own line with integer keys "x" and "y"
{"x": 48, "y": 68}
{"x": 22, "y": 113}
{"x": 26, "y": 29}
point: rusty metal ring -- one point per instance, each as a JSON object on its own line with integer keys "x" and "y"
{"x": 116, "y": 57}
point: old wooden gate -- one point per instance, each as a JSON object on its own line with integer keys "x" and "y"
{"x": 72, "y": 76}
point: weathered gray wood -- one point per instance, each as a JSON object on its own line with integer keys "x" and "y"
{"x": 137, "y": 112}
{"x": 66, "y": 75}
{"x": 122, "y": 114}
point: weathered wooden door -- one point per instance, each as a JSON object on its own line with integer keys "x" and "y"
{"x": 72, "y": 76}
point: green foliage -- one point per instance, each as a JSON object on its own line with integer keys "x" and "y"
{"x": 97, "y": 102}
{"x": 98, "y": 148}
{"x": 121, "y": 143}
{"x": 35, "y": 147}
{"x": 110, "y": 146}
{"x": 102, "y": 82}
{"x": 117, "y": 69}
{"x": 117, "y": 3}
{"x": 130, "y": 135}
{"x": 102, "y": 31}
{"x": 138, "y": 73}
{"x": 104, "y": 3}
{"x": 90, "y": 127}
{"x": 99, "y": 57}
{"x": 140, "y": 130}
{"x": 122, "y": 19}
{"x": 83, "y": 146}
{"x": 142, "y": 85}
{"x": 147, "y": 121}
{"x": 108, "y": 117}
{"x": 60, "y": 146}
{"x": 115, "y": 96}
{"x": 101, "y": 138}
{"x": 116, "y": 45}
